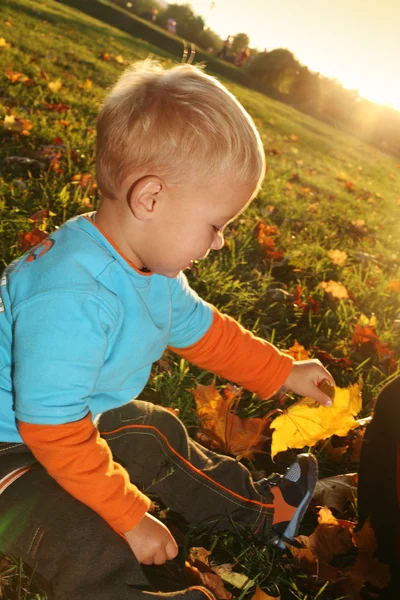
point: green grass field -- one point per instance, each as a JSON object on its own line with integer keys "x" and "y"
{"x": 323, "y": 191}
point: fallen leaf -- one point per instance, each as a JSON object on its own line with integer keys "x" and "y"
{"x": 307, "y": 422}
{"x": 298, "y": 352}
{"x": 356, "y": 445}
{"x": 106, "y": 56}
{"x": 17, "y": 124}
{"x": 240, "y": 437}
{"x": 394, "y": 285}
{"x": 334, "y": 454}
{"x": 4, "y": 43}
{"x": 86, "y": 181}
{"x": 364, "y": 539}
{"x": 238, "y": 580}
{"x": 198, "y": 557}
{"x": 337, "y": 257}
{"x": 342, "y": 362}
{"x": 334, "y": 289}
{"x": 332, "y": 536}
{"x": 55, "y": 86}
{"x": 87, "y": 85}
{"x": 120, "y": 59}
{"x": 259, "y": 594}
{"x": 17, "y": 76}
{"x": 335, "y": 491}
{"x": 210, "y": 580}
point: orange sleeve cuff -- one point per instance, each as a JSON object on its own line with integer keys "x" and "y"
{"x": 79, "y": 460}
{"x": 233, "y": 352}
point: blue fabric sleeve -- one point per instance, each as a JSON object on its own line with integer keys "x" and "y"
{"x": 59, "y": 347}
{"x": 191, "y": 316}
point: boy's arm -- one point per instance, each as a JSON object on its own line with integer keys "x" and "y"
{"x": 79, "y": 460}
{"x": 233, "y": 352}
{"x": 60, "y": 341}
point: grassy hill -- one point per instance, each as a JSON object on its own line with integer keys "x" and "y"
{"x": 324, "y": 191}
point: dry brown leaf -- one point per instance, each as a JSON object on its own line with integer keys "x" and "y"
{"x": 331, "y": 537}
{"x": 364, "y": 539}
{"x": 240, "y": 437}
{"x": 366, "y": 569}
{"x": 334, "y": 454}
{"x": 210, "y": 580}
{"x": 198, "y": 557}
{"x": 336, "y": 491}
{"x": 356, "y": 445}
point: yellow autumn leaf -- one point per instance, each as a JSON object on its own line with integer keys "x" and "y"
{"x": 364, "y": 321}
{"x": 55, "y": 86}
{"x": 4, "y": 43}
{"x": 307, "y": 422}
{"x": 120, "y": 59}
{"x": 334, "y": 289}
{"x": 337, "y": 257}
{"x": 87, "y": 85}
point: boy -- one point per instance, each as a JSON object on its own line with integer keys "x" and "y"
{"x": 87, "y": 312}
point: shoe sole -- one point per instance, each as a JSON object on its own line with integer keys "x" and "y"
{"x": 294, "y": 524}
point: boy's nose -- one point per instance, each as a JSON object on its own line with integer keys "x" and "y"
{"x": 218, "y": 241}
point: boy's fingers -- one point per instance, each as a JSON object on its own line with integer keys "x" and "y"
{"x": 319, "y": 396}
{"x": 172, "y": 549}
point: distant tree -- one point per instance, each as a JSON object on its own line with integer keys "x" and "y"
{"x": 208, "y": 39}
{"x": 188, "y": 24}
{"x": 139, "y": 7}
{"x": 240, "y": 42}
{"x": 273, "y": 68}
{"x": 305, "y": 91}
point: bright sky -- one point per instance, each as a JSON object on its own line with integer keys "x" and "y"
{"x": 355, "y": 41}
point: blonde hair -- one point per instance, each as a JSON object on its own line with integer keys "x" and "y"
{"x": 179, "y": 123}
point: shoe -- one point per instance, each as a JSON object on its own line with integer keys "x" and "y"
{"x": 297, "y": 486}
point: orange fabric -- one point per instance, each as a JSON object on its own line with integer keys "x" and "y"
{"x": 231, "y": 351}
{"x": 282, "y": 510}
{"x": 77, "y": 457}
{"x": 130, "y": 263}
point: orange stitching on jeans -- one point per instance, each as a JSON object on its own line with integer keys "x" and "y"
{"x": 187, "y": 463}
{"x": 33, "y": 539}
{"x": 37, "y": 544}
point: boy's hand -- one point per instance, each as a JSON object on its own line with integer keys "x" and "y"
{"x": 151, "y": 542}
{"x": 305, "y": 377}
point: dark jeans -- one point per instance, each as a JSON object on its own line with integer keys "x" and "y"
{"x": 74, "y": 549}
{"x": 379, "y": 478}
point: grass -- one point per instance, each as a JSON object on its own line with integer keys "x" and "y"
{"x": 324, "y": 190}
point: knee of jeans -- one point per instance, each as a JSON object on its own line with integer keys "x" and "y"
{"x": 387, "y": 405}
{"x": 168, "y": 424}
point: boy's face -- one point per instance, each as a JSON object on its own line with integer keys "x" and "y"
{"x": 191, "y": 223}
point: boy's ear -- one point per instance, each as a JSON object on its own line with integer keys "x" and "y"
{"x": 143, "y": 195}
